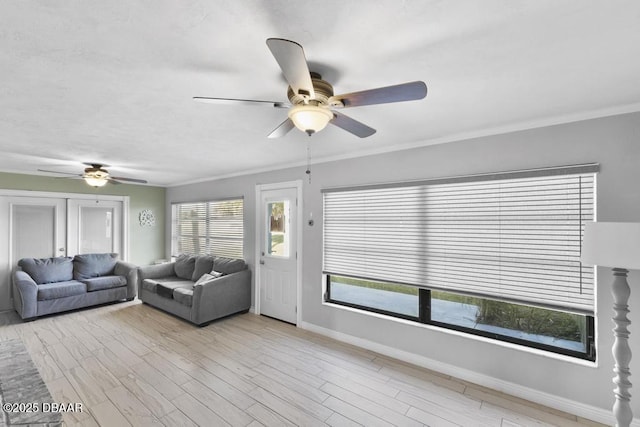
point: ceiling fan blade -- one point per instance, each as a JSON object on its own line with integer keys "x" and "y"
{"x": 350, "y": 125}
{"x": 63, "y": 173}
{"x": 382, "y": 95}
{"x": 290, "y": 57}
{"x": 282, "y": 129}
{"x": 235, "y": 101}
{"x": 119, "y": 178}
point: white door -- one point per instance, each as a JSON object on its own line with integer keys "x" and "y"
{"x": 36, "y": 229}
{"x": 278, "y": 270}
{"x": 95, "y": 226}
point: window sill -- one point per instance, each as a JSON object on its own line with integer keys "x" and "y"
{"x": 504, "y": 344}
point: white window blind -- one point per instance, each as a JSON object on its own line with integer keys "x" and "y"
{"x": 214, "y": 228}
{"x": 511, "y": 236}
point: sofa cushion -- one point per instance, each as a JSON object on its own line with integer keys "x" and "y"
{"x": 204, "y": 264}
{"x": 184, "y": 266}
{"x": 104, "y": 282}
{"x": 165, "y": 288}
{"x": 48, "y": 270}
{"x": 184, "y": 296}
{"x": 228, "y": 265}
{"x": 164, "y": 291}
{"x": 149, "y": 285}
{"x": 49, "y": 291}
{"x": 93, "y": 265}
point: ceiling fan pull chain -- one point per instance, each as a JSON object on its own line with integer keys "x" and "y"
{"x": 308, "y": 171}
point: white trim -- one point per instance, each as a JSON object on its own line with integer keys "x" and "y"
{"x": 125, "y": 229}
{"x": 256, "y": 247}
{"x": 479, "y": 133}
{"x": 258, "y": 225}
{"x": 60, "y": 195}
{"x": 557, "y": 402}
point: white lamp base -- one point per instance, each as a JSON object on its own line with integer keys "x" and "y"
{"x": 621, "y": 350}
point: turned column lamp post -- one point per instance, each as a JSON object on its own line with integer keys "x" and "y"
{"x": 616, "y": 245}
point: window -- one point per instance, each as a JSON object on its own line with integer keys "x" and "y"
{"x": 214, "y": 228}
{"x": 278, "y": 226}
{"x": 495, "y": 255}
{"x": 387, "y": 298}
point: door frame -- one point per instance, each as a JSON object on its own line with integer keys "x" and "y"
{"x": 124, "y": 256}
{"x": 74, "y": 223}
{"x": 258, "y": 241}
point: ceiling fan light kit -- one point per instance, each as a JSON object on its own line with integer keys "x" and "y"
{"x": 310, "y": 118}
{"x": 96, "y": 179}
{"x": 97, "y": 176}
{"x": 311, "y": 98}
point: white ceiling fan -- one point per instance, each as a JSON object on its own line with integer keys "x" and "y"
{"x": 97, "y": 176}
{"x": 312, "y": 104}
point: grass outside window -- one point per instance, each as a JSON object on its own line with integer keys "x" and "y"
{"x": 552, "y": 330}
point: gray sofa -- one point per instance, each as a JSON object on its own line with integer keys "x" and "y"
{"x": 197, "y": 288}
{"x": 52, "y": 285}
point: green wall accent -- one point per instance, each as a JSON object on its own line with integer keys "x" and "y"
{"x": 146, "y": 244}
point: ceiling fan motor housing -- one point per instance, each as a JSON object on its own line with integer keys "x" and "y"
{"x": 95, "y": 168}
{"x": 323, "y": 92}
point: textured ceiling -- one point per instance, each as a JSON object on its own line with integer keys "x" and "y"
{"x": 113, "y": 81}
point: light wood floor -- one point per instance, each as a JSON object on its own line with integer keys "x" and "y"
{"x": 130, "y": 364}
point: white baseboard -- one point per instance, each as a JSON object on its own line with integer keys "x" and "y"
{"x": 560, "y": 403}
{"x": 252, "y": 309}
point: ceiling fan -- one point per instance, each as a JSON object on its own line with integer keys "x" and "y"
{"x": 97, "y": 176}
{"x": 312, "y": 103}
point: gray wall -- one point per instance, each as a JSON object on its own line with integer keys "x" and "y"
{"x": 614, "y": 142}
{"x": 146, "y": 244}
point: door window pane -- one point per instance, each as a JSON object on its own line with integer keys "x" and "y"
{"x": 278, "y": 226}
{"x": 96, "y": 230}
{"x": 33, "y": 231}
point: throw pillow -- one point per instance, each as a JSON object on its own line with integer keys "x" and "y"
{"x": 204, "y": 264}
{"x": 48, "y": 270}
{"x": 208, "y": 277}
{"x": 228, "y": 265}
{"x": 184, "y": 266}
{"x": 94, "y": 265}
{"x": 216, "y": 274}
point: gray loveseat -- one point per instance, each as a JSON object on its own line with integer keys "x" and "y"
{"x": 51, "y": 285}
{"x": 197, "y": 288}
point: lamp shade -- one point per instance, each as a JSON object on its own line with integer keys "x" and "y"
{"x": 310, "y": 118}
{"x": 611, "y": 244}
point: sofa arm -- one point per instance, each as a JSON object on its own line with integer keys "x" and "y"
{"x": 156, "y": 271}
{"x": 221, "y": 297}
{"x": 130, "y": 271}
{"x": 25, "y": 295}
